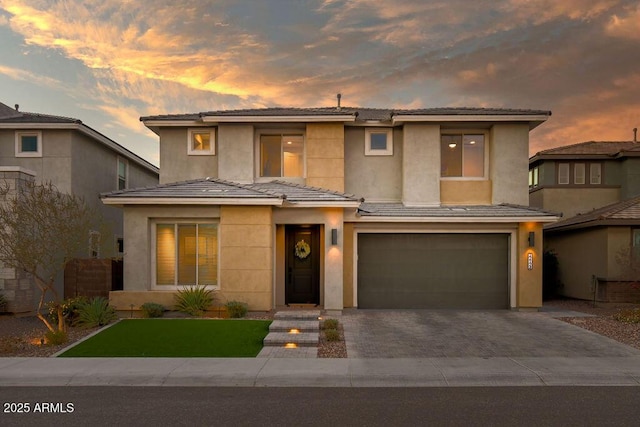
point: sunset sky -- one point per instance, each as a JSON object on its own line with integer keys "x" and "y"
{"x": 109, "y": 62}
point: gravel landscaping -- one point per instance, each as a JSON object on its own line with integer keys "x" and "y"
{"x": 20, "y": 336}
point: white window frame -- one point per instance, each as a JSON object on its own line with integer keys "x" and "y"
{"x": 577, "y": 179}
{"x": 592, "y": 167}
{"x": 369, "y": 151}
{"x": 126, "y": 173}
{"x": 19, "y": 152}
{"x": 463, "y": 132}
{"x": 534, "y": 177}
{"x": 258, "y": 158}
{"x": 212, "y": 142}
{"x": 568, "y": 174}
{"x": 154, "y": 249}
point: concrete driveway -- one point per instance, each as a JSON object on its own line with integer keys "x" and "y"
{"x": 469, "y": 333}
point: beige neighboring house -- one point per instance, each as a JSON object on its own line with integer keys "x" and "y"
{"x": 338, "y": 207}
{"x": 77, "y": 160}
{"x": 595, "y": 185}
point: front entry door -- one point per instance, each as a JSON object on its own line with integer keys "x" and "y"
{"x": 302, "y": 264}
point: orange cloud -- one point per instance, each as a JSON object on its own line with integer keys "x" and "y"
{"x": 627, "y": 27}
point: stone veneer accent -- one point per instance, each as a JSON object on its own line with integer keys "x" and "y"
{"x": 246, "y": 256}
{"x": 17, "y": 287}
{"x": 325, "y": 156}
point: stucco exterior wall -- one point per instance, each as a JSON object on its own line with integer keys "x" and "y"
{"x": 236, "y": 153}
{"x": 325, "y": 155}
{"x": 421, "y": 165}
{"x": 376, "y": 178}
{"x": 529, "y": 284}
{"x": 581, "y": 254}
{"x": 54, "y": 165}
{"x": 246, "y": 255}
{"x": 465, "y": 192}
{"x": 630, "y": 178}
{"x": 176, "y": 165}
{"x": 508, "y": 163}
{"x": 348, "y": 260}
{"x": 572, "y": 201}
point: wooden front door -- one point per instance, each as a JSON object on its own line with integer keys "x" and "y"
{"x": 302, "y": 264}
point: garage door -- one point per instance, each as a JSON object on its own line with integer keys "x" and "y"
{"x": 433, "y": 270}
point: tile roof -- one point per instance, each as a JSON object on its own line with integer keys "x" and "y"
{"x": 361, "y": 113}
{"x": 471, "y": 211}
{"x": 591, "y": 148}
{"x": 626, "y": 212}
{"x": 11, "y": 115}
{"x": 220, "y": 189}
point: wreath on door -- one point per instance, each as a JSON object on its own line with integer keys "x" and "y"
{"x": 302, "y": 249}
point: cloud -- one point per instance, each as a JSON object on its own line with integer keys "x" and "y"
{"x": 28, "y": 76}
{"x": 626, "y": 26}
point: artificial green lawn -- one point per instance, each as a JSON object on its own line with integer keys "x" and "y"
{"x": 175, "y": 338}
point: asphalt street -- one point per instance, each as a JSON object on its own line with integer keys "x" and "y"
{"x": 287, "y": 406}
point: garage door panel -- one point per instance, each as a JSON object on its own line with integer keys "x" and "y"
{"x": 432, "y": 270}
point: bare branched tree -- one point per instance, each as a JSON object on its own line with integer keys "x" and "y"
{"x": 41, "y": 229}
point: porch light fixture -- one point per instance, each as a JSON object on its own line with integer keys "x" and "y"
{"x": 532, "y": 239}
{"x": 334, "y": 236}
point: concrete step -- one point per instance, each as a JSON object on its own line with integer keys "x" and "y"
{"x": 297, "y": 315}
{"x": 280, "y": 339}
{"x": 300, "y": 325}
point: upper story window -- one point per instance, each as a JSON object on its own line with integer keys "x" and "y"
{"x": 201, "y": 142}
{"x": 281, "y": 155}
{"x": 575, "y": 173}
{"x": 462, "y": 155}
{"x": 534, "y": 177}
{"x": 29, "y": 144}
{"x": 595, "y": 173}
{"x": 123, "y": 173}
{"x": 378, "y": 142}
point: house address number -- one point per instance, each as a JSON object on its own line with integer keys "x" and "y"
{"x": 529, "y": 261}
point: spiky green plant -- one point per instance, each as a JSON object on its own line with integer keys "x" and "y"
{"x": 152, "y": 309}
{"x": 194, "y": 300}
{"x": 237, "y": 309}
{"x": 96, "y": 312}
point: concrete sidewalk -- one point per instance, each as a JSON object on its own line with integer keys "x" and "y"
{"x": 272, "y": 372}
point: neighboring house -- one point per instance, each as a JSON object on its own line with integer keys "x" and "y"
{"x": 595, "y": 185}
{"x": 338, "y": 207}
{"x": 77, "y": 160}
{"x": 599, "y": 252}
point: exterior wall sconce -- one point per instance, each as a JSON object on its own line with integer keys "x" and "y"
{"x": 532, "y": 239}
{"x": 334, "y": 236}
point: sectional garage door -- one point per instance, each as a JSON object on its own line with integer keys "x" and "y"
{"x": 425, "y": 270}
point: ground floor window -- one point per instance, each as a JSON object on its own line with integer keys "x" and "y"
{"x": 186, "y": 254}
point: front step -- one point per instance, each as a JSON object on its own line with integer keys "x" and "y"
{"x": 282, "y": 339}
{"x": 300, "y": 325}
{"x": 297, "y": 315}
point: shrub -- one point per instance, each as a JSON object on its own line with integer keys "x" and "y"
{"x": 332, "y": 334}
{"x": 330, "y": 324}
{"x": 70, "y": 308}
{"x": 237, "y": 309}
{"x": 96, "y": 312}
{"x": 152, "y": 309}
{"x": 194, "y": 300}
{"x": 55, "y": 337}
{"x": 628, "y": 316}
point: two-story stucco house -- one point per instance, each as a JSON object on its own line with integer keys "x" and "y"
{"x": 596, "y": 186}
{"x": 77, "y": 160}
{"x": 338, "y": 207}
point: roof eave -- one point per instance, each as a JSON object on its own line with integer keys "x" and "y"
{"x": 321, "y": 204}
{"x": 279, "y": 119}
{"x": 534, "y": 120}
{"x": 245, "y": 201}
{"x": 458, "y": 219}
